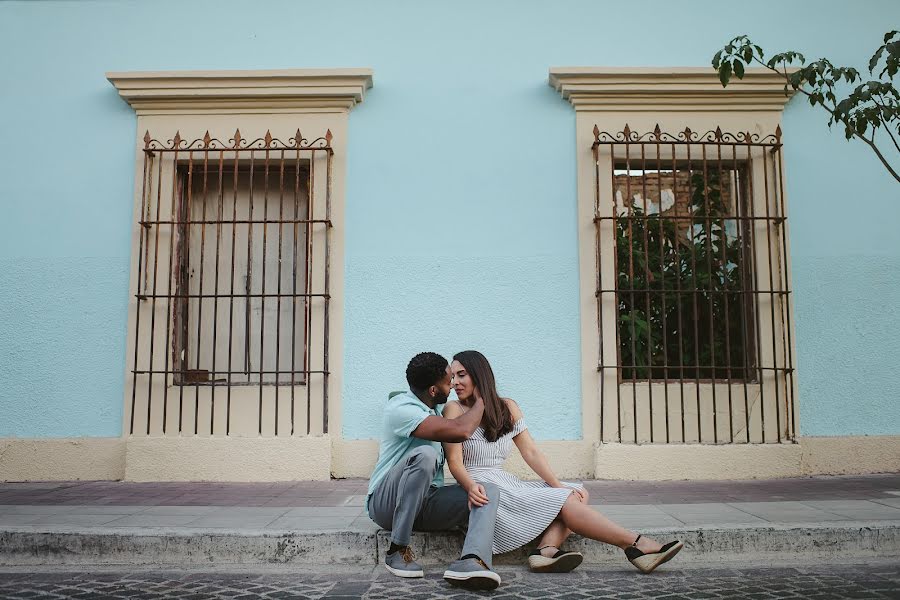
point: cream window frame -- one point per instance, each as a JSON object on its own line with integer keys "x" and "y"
{"x": 642, "y": 98}
{"x": 220, "y": 102}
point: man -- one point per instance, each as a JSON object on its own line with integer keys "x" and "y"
{"x": 407, "y": 489}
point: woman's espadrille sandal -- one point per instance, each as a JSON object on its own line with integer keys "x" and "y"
{"x": 562, "y": 561}
{"x": 646, "y": 562}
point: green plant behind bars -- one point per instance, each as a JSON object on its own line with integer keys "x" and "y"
{"x": 694, "y": 323}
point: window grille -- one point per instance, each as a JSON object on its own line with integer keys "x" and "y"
{"x": 232, "y": 286}
{"x": 693, "y": 282}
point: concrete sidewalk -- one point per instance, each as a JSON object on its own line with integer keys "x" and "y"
{"x": 822, "y": 518}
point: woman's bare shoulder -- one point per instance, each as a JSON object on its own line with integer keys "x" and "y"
{"x": 514, "y": 409}
{"x": 453, "y": 409}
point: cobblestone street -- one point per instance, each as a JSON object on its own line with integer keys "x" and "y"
{"x": 880, "y": 580}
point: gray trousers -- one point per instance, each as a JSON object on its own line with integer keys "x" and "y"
{"x": 406, "y": 500}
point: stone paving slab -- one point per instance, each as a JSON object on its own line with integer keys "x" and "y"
{"x": 870, "y": 580}
{"x": 635, "y": 516}
{"x": 342, "y": 492}
{"x": 711, "y": 514}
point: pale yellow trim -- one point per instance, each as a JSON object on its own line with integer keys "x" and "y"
{"x": 321, "y": 457}
{"x": 63, "y": 459}
{"x": 851, "y": 455}
{"x": 353, "y": 458}
{"x": 228, "y": 459}
{"x": 845, "y": 455}
{"x": 697, "y": 461}
{"x": 686, "y": 89}
{"x": 211, "y": 92}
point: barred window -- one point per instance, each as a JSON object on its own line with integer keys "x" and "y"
{"x": 692, "y": 280}
{"x": 231, "y": 328}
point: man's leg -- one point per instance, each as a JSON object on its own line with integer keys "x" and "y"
{"x": 447, "y": 507}
{"x": 397, "y": 500}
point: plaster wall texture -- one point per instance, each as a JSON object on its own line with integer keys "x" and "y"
{"x": 461, "y": 198}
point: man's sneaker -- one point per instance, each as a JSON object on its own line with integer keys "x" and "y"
{"x": 561, "y": 562}
{"x": 472, "y": 574}
{"x": 402, "y": 563}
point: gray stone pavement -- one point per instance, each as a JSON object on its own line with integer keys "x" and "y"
{"x": 871, "y": 580}
{"x": 325, "y": 522}
{"x": 338, "y": 505}
{"x": 339, "y": 492}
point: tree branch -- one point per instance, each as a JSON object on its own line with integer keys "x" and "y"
{"x": 890, "y": 134}
{"x": 868, "y": 142}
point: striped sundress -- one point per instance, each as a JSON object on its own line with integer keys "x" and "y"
{"x": 526, "y": 507}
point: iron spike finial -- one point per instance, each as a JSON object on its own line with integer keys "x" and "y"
{"x": 237, "y": 139}
{"x": 657, "y": 132}
{"x": 268, "y": 138}
{"x": 718, "y": 134}
{"x": 297, "y": 138}
{"x": 328, "y": 138}
{"x": 176, "y": 141}
{"x": 596, "y": 133}
{"x": 206, "y": 139}
{"x": 778, "y": 133}
{"x": 147, "y": 139}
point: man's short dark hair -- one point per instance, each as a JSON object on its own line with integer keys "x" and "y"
{"x": 424, "y": 370}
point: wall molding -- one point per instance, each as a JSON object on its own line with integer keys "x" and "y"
{"x": 688, "y": 89}
{"x": 193, "y": 92}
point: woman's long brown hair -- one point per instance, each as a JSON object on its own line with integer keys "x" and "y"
{"x": 497, "y": 419}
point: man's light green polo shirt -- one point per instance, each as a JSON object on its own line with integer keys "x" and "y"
{"x": 402, "y": 414}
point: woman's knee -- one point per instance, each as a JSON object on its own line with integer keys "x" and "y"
{"x": 585, "y": 496}
{"x": 572, "y": 502}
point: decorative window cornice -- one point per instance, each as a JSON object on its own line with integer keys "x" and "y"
{"x": 232, "y": 91}
{"x": 634, "y": 89}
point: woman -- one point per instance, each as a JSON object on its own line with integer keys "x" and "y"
{"x": 548, "y": 509}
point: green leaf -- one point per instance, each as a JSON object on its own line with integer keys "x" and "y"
{"x": 738, "y": 69}
{"x": 716, "y": 59}
{"x": 873, "y": 62}
{"x": 725, "y": 73}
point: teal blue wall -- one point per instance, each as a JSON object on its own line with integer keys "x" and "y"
{"x": 465, "y": 239}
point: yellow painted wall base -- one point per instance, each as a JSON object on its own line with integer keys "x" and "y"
{"x": 65, "y": 459}
{"x": 318, "y": 458}
{"x": 228, "y": 459}
{"x": 851, "y": 455}
{"x": 811, "y": 456}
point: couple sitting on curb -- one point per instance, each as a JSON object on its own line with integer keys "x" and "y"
{"x": 407, "y": 490}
